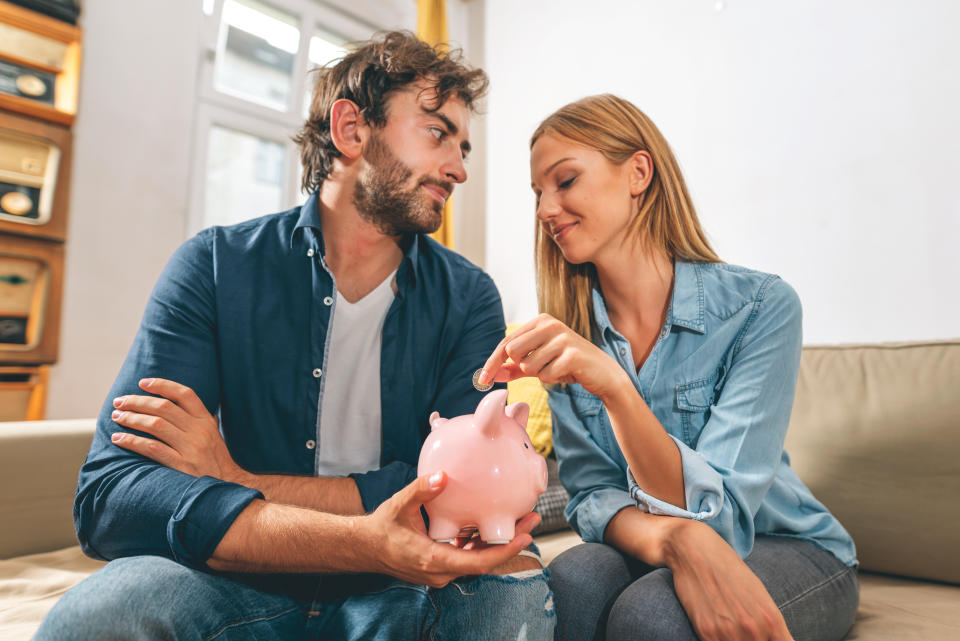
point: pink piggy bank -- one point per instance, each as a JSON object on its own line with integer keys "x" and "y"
{"x": 494, "y": 474}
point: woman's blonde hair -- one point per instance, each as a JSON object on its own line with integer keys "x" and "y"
{"x": 666, "y": 220}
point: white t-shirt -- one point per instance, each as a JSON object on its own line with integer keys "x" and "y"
{"x": 350, "y": 419}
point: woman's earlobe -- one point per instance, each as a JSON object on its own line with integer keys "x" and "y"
{"x": 641, "y": 172}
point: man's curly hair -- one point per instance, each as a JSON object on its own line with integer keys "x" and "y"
{"x": 368, "y": 75}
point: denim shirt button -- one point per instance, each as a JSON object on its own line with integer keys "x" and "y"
{"x": 328, "y": 301}
{"x": 317, "y": 373}
{"x": 623, "y": 351}
{"x": 311, "y": 444}
{"x": 310, "y": 253}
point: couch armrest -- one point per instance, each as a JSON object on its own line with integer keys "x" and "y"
{"x": 39, "y": 461}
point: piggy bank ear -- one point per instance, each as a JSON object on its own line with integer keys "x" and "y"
{"x": 436, "y": 421}
{"x": 490, "y": 412}
{"x": 519, "y": 412}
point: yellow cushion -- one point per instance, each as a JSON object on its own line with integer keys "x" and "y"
{"x": 530, "y": 391}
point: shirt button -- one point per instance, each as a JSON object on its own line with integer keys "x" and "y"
{"x": 623, "y": 351}
{"x": 310, "y": 252}
{"x": 311, "y": 444}
{"x": 327, "y": 301}
{"x": 317, "y": 373}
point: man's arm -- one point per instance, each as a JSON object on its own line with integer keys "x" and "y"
{"x": 186, "y": 437}
{"x": 127, "y": 504}
{"x": 267, "y": 537}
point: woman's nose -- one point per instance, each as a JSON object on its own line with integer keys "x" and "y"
{"x": 547, "y": 208}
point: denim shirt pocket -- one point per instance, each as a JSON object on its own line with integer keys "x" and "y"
{"x": 590, "y": 411}
{"x": 694, "y": 400}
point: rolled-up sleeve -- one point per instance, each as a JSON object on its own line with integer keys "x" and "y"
{"x": 127, "y": 504}
{"x": 595, "y": 482}
{"x": 728, "y": 474}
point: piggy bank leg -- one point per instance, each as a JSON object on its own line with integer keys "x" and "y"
{"x": 497, "y": 529}
{"x": 443, "y": 530}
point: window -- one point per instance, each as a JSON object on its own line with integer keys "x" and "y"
{"x": 255, "y": 91}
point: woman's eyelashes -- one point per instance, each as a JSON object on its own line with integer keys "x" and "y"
{"x": 564, "y": 184}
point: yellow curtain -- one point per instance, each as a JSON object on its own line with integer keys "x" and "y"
{"x": 432, "y": 28}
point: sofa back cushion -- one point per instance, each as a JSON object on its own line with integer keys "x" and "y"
{"x": 39, "y": 461}
{"x": 875, "y": 434}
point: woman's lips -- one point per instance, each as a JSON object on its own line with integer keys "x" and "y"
{"x": 562, "y": 230}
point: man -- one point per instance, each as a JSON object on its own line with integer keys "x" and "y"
{"x": 323, "y": 337}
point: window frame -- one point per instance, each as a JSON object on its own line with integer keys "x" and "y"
{"x": 216, "y": 108}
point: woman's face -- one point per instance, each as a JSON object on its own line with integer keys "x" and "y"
{"x": 584, "y": 202}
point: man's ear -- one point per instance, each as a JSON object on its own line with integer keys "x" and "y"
{"x": 348, "y": 128}
{"x": 640, "y": 166}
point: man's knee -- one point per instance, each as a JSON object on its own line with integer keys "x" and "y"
{"x": 497, "y": 607}
{"x": 143, "y": 597}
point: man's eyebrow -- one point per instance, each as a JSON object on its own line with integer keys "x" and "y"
{"x": 465, "y": 145}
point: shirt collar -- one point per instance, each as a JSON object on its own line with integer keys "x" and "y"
{"x": 686, "y": 308}
{"x": 686, "y": 300}
{"x": 310, "y": 217}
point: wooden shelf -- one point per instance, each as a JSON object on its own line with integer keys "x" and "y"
{"x": 60, "y": 57}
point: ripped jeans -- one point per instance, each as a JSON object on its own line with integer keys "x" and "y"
{"x": 148, "y": 597}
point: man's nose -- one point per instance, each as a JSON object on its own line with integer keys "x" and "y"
{"x": 454, "y": 170}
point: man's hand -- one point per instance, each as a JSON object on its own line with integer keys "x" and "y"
{"x": 397, "y": 533}
{"x": 187, "y": 437}
{"x": 723, "y": 598}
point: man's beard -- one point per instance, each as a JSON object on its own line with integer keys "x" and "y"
{"x": 382, "y": 201}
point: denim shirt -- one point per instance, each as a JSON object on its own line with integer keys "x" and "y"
{"x": 241, "y": 315}
{"x": 720, "y": 379}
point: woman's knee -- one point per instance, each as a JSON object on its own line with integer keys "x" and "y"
{"x": 649, "y": 610}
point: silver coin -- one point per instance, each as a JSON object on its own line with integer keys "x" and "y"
{"x": 478, "y": 386}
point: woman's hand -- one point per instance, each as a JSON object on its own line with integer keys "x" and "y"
{"x": 721, "y": 595}
{"x": 549, "y": 350}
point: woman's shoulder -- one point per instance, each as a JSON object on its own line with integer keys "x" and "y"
{"x": 727, "y": 289}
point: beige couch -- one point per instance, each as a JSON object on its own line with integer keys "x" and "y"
{"x": 874, "y": 433}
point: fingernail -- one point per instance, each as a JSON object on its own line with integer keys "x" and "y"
{"x": 435, "y": 479}
{"x": 115, "y": 415}
{"x": 483, "y": 377}
{"x": 146, "y": 382}
{"x": 116, "y": 437}
{"x": 118, "y": 401}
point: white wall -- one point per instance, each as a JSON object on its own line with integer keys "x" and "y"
{"x": 131, "y": 160}
{"x": 819, "y": 139}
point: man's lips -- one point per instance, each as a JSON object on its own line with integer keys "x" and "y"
{"x": 439, "y": 193}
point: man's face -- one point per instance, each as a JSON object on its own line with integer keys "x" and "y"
{"x": 406, "y": 192}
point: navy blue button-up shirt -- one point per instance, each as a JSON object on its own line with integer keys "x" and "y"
{"x": 238, "y": 315}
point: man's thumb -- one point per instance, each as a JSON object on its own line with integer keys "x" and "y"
{"x": 426, "y": 488}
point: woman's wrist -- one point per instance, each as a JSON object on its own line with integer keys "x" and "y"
{"x": 619, "y": 391}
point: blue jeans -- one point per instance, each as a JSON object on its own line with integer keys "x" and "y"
{"x": 601, "y": 594}
{"x": 148, "y": 597}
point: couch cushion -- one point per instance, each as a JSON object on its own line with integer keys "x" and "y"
{"x": 31, "y": 585}
{"x": 38, "y": 479}
{"x": 874, "y": 435}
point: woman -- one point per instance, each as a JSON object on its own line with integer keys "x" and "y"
{"x": 671, "y": 379}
